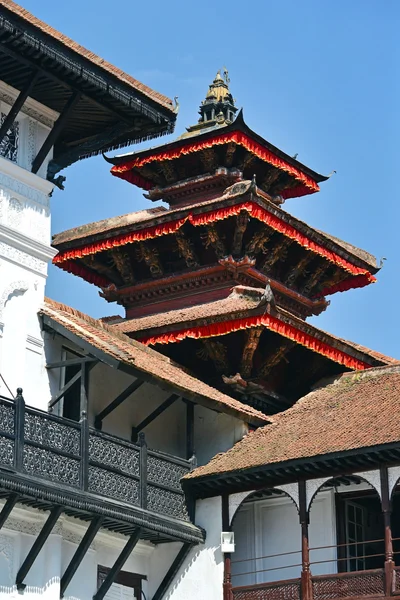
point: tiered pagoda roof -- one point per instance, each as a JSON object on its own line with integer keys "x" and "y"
{"x": 223, "y": 280}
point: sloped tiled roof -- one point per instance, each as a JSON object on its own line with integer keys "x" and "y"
{"x": 242, "y": 300}
{"x": 357, "y": 410}
{"x": 158, "y": 368}
{"x": 25, "y": 15}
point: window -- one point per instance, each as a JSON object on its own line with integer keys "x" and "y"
{"x": 127, "y": 586}
{"x": 9, "y": 144}
{"x": 71, "y": 402}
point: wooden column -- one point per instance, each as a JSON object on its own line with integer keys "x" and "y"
{"x": 227, "y": 585}
{"x": 306, "y": 582}
{"x": 387, "y": 511}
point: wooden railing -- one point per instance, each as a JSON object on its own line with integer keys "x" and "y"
{"x": 44, "y": 446}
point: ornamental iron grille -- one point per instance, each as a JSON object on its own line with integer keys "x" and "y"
{"x": 59, "y": 450}
{"x": 9, "y": 143}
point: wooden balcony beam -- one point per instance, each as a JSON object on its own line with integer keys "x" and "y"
{"x": 117, "y": 566}
{"x": 18, "y": 104}
{"x": 172, "y": 571}
{"x": 55, "y": 133}
{"x": 7, "y": 508}
{"x": 80, "y": 553}
{"x": 37, "y": 546}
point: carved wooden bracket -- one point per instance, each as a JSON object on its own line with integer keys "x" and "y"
{"x": 250, "y": 346}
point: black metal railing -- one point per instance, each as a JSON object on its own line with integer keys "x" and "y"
{"x": 52, "y": 448}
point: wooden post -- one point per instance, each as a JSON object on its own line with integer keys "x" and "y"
{"x": 189, "y": 430}
{"x": 387, "y": 511}
{"x": 143, "y": 471}
{"x": 227, "y": 585}
{"x": 19, "y": 430}
{"x": 306, "y": 582}
{"x": 84, "y": 475}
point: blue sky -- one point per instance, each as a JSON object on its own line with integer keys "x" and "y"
{"x": 315, "y": 78}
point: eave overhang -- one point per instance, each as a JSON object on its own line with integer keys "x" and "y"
{"x": 239, "y": 411}
{"x": 113, "y": 111}
{"x": 74, "y": 246}
{"x": 238, "y": 133}
{"x": 309, "y": 467}
{"x": 282, "y": 323}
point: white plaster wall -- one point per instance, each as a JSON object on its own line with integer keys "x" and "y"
{"x": 25, "y": 252}
{"x": 43, "y": 580}
{"x": 201, "y": 575}
{"x": 215, "y": 432}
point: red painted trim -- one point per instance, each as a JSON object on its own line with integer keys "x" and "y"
{"x": 268, "y": 321}
{"x": 308, "y": 185}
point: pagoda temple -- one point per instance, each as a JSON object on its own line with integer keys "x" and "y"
{"x": 223, "y": 279}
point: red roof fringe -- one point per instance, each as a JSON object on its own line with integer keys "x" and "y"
{"x": 308, "y": 186}
{"x": 268, "y": 321}
{"x": 257, "y": 212}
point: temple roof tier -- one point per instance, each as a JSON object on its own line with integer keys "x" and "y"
{"x": 242, "y": 236}
{"x": 254, "y": 350}
{"x": 231, "y": 146}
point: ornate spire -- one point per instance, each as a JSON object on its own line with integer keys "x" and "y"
{"x": 218, "y": 108}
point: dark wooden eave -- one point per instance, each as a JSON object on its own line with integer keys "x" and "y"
{"x": 110, "y": 112}
{"x": 264, "y": 476}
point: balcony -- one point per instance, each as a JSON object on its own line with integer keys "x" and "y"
{"x": 46, "y": 459}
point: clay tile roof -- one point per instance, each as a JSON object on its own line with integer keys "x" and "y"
{"x": 242, "y": 299}
{"x": 235, "y": 302}
{"x": 357, "y": 410}
{"x": 23, "y": 14}
{"x": 154, "y": 366}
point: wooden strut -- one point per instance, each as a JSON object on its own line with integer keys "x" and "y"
{"x": 7, "y": 508}
{"x": 135, "y": 385}
{"x": 37, "y": 546}
{"x": 71, "y": 362}
{"x": 74, "y": 379}
{"x": 160, "y": 409}
{"x": 172, "y": 571}
{"x": 306, "y": 582}
{"x": 18, "y": 104}
{"x": 80, "y": 553}
{"x": 55, "y": 132}
{"x": 117, "y": 566}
